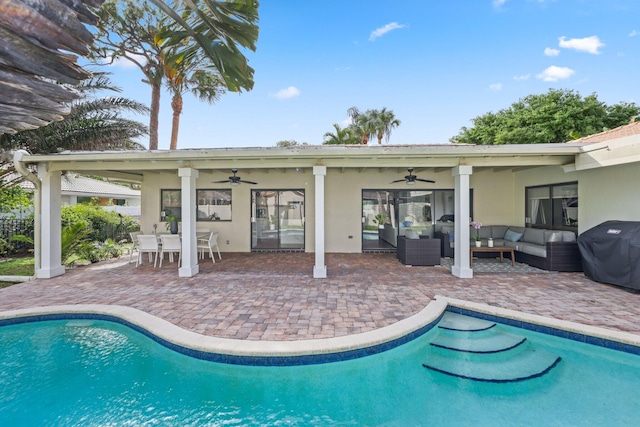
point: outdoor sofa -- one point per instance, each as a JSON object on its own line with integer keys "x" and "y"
{"x": 554, "y": 250}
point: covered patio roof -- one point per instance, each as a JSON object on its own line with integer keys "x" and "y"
{"x": 130, "y": 165}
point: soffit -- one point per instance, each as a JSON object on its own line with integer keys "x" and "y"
{"x": 137, "y": 163}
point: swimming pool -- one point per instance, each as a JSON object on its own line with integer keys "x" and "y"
{"x": 95, "y": 372}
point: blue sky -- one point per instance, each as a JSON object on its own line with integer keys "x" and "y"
{"x": 436, "y": 64}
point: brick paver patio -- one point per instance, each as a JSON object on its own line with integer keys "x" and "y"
{"x": 271, "y": 296}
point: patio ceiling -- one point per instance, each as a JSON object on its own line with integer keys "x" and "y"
{"x": 132, "y": 165}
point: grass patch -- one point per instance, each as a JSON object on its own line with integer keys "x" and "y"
{"x": 17, "y": 267}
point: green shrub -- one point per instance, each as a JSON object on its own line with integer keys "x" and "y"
{"x": 103, "y": 224}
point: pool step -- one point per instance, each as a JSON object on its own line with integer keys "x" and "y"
{"x": 459, "y": 322}
{"x": 527, "y": 365}
{"x": 494, "y": 343}
{"x": 473, "y": 349}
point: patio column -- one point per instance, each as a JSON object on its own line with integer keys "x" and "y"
{"x": 461, "y": 266}
{"x": 319, "y": 269}
{"x": 50, "y": 224}
{"x": 190, "y": 265}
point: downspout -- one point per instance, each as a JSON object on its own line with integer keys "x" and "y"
{"x": 30, "y": 176}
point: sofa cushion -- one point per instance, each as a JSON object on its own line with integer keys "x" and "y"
{"x": 514, "y": 245}
{"x": 534, "y": 235}
{"x": 484, "y": 232}
{"x": 568, "y": 236}
{"x": 499, "y": 242}
{"x": 411, "y": 234}
{"x": 452, "y": 236}
{"x": 497, "y": 231}
{"x": 533, "y": 249}
{"x": 554, "y": 236}
{"x": 512, "y": 236}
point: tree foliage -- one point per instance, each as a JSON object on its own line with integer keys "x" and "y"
{"x": 554, "y": 117}
{"x": 341, "y": 136}
{"x": 372, "y": 123}
{"x": 14, "y": 198}
{"x": 289, "y": 143}
{"x": 173, "y": 39}
{"x": 93, "y": 124}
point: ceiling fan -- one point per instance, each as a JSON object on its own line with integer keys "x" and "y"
{"x": 235, "y": 180}
{"x": 411, "y": 178}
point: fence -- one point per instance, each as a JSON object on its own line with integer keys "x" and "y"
{"x": 13, "y": 227}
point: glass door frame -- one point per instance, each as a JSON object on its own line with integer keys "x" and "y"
{"x": 278, "y": 225}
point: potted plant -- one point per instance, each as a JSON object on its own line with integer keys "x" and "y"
{"x": 477, "y": 226}
{"x": 273, "y": 220}
{"x": 380, "y": 219}
{"x": 172, "y": 221}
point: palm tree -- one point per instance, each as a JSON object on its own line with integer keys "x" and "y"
{"x": 179, "y": 32}
{"x": 340, "y": 137}
{"x": 384, "y": 122}
{"x": 93, "y": 124}
{"x": 361, "y": 124}
{"x": 181, "y": 78}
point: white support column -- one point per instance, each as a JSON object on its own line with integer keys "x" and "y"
{"x": 190, "y": 265}
{"x": 461, "y": 267}
{"x": 319, "y": 269}
{"x": 51, "y": 224}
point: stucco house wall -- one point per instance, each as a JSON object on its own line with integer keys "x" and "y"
{"x": 235, "y": 235}
{"x": 493, "y": 196}
{"x": 609, "y": 193}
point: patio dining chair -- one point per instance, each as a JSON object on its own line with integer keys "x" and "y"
{"x": 208, "y": 244}
{"x": 147, "y": 243}
{"x": 170, "y": 243}
{"x": 134, "y": 243}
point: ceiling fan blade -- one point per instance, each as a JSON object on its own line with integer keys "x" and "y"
{"x": 247, "y": 182}
{"x": 220, "y": 182}
{"x": 424, "y": 180}
{"x": 398, "y": 180}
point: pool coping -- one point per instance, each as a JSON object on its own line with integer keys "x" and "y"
{"x": 227, "y": 350}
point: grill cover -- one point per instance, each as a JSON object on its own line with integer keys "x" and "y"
{"x": 611, "y": 253}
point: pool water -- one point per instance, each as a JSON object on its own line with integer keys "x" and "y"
{"x": 91, "y": 372}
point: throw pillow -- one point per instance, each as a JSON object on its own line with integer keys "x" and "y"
{"x": 452, "y": 236}
{"x": 411, "y": 234}
{"x": 512, "y": 236}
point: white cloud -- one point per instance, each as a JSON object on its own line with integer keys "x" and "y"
{"x": 634, "y": 33}
{"x": 498, "y": 3}
{"x": 587, "y": 44}
{"x": 522, "y": 77}
{"x": 290, "y": 92}
{"x": 379, "y": 32}
{"x": 553, "y": 73}
{"x": 551, "y": 52}
{"x": 495, "y": 86}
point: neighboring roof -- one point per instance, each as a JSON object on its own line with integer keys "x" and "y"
{"x": 82, "y": 186}
{"x": 74, "y": 184}
{"x": 619, "y": 132}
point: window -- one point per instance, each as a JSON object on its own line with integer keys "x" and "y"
{"x": 170, "y": 201}
{"x": 213, "y": 205}
{"x": 552, "y": 206}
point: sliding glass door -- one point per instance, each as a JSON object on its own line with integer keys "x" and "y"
{"x": 277, "y": 219}
{"x": 387, "y": 214}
